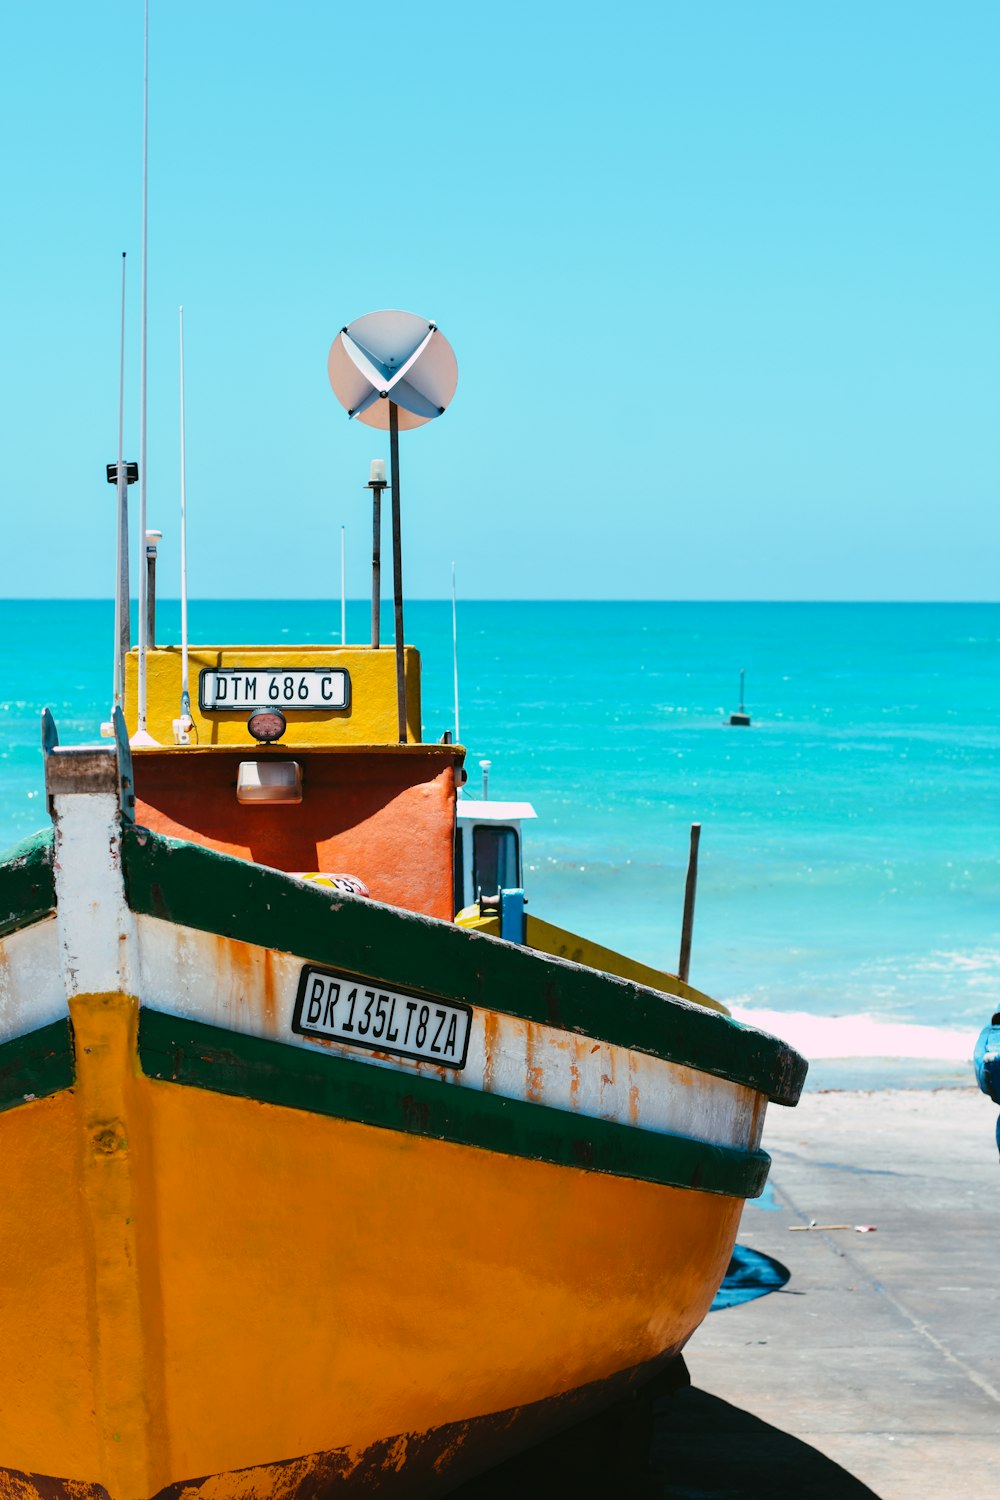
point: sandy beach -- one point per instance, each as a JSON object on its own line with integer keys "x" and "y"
{"x": 883, "y": 1350}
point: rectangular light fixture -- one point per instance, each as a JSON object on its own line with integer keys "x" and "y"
{"x": 269, "y": 781}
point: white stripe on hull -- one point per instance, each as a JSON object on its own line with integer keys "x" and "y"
{"x": 240, "y": 987}
{"x": 32, "y": 992}
{"x": 96, "y": 944}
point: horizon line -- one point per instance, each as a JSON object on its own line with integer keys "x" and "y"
{"x": 386, "y": 600}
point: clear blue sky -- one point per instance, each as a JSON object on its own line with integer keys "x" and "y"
{"x": 723, "y": 281}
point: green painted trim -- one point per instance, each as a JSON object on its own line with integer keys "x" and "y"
{"x": 177, "y": 1050}
{"x": 36, "y": 1065}
{"x": 195, "y": 887}
{"x": 27, "y": 883}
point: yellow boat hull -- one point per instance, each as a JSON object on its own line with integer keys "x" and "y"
{"x": 210, "y": 1293}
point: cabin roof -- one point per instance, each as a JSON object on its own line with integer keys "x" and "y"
{"x": 493, "y": 812}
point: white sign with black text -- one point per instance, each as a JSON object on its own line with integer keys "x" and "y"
{"x": 368, "y": 1015}
{"x": 242, "y": 688}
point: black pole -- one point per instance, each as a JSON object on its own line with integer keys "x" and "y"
{"x": 376, "y": 560}
{"x": 125, "y": 616}
{"x": 397, "y": 571}
{"x": 151, "y": 595}
{"x": 690, "y": 888}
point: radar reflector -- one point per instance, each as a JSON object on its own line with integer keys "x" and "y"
{"x": 392, "y": 358}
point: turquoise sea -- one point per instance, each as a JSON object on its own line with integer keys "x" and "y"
{"x": 850, "y": 855}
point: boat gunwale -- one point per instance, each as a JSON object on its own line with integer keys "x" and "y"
{"x": 188, "y": 885}
{"x": 27, "y": 882}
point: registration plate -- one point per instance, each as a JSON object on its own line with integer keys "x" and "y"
{"x": 351, "y": 1010}
{"x": 241, "y": 688}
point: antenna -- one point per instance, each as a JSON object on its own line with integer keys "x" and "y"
{"x": 123, "y": 623}
{"x": 397, "y": 571}
{"x": 185, "y": 724}
{"x": 376, "y": 484}
{"x": 343, "y": 591}
{"x": 381, "y": 366}
{"x": 454, "y": 650}
{"x": 141, "y": 735}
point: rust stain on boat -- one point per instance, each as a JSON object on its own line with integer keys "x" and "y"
{"x": 608, "y": 1076}
{"x": 252, "y": 981}
{"x": 757, "y": 1120}
{"x": 269, "y": 997}
{"x": 534, "y": 1073}
{"x": 491, "y": 1029}
{"x": 633, "y": 1091}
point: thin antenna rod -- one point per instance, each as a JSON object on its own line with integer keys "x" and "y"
{"x": 343, "y": 591}
{"x": 123, "y": 623}
{"x": 185, "y": 693}
{"x": 397, "y": 571}
{"x": 454, "y": 650}
{"x": 143, "y": 634}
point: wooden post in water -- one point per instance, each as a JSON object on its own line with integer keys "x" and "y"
{"x": 690, "y": 889}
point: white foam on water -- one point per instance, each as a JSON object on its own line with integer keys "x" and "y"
{"x": 980, "y": 966}
{"x": 860, "y": 1035}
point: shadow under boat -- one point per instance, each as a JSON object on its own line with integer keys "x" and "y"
{"x": 669, "y": 1441}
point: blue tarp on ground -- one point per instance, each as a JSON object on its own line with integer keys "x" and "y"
{"x": 750, "y": 1275}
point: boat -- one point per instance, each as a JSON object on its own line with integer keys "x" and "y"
{"x": 325, "y": 1165}
{"x": 307, "y": 1190}
{"x": 740, "y": 718}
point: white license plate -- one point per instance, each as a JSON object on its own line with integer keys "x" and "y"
{"x": 243, "y": 688}
{"x": 365, "y": 1015}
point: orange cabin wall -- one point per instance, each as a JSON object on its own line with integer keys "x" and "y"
{"x": 389, "y": 819}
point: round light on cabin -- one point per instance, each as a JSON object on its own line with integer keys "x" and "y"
{"x": 267, "y": 725}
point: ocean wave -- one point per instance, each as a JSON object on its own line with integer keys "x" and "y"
{"x": 860, "y": 1035}
{"x": 981, "y": 961}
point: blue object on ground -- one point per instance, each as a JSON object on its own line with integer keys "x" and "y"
{"x": 512, "y": 915}
{"x": 750, "y": 1275}
{"x": 986, "y": 1061}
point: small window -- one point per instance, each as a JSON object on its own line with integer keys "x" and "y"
{"x": 495, "y": 860}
